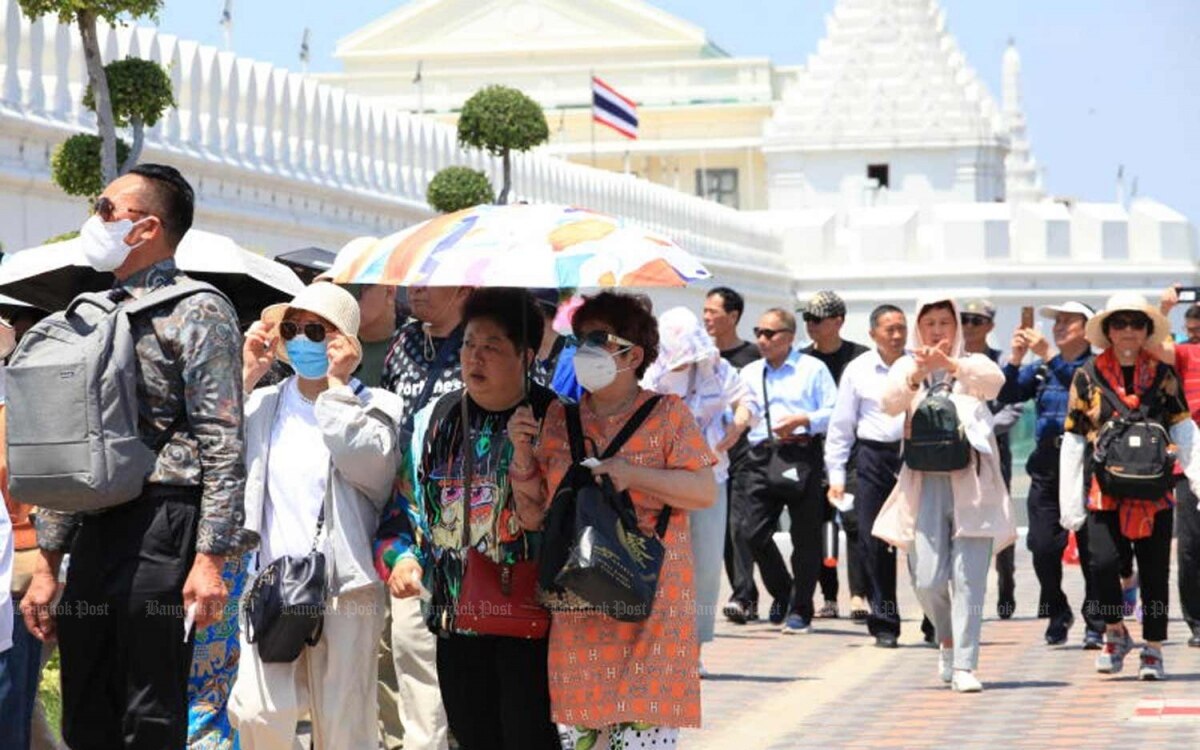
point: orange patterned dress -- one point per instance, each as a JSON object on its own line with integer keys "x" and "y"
{"x": 604, "y": 672}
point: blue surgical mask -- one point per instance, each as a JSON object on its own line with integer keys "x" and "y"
{"x": 309, "y": 358}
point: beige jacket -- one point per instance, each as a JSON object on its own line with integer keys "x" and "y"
{"x": 981, "y": 503}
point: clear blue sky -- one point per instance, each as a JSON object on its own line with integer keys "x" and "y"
{"x": 1106, "y": 82}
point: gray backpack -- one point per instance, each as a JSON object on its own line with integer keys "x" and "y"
{"x": 72, "y": 405}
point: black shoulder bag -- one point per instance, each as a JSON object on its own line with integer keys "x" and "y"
{"x": 610, "y": 566}
{"x": 285, "y": 608}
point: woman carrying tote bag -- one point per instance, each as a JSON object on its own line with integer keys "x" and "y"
{"x": 600, "y": 695}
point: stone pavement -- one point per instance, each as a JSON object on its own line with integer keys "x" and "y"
{"x": 834, "y": 689}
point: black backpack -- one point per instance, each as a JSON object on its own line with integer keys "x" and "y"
{"x": 1132, "y": 458}
{"x": 937, "y": 440}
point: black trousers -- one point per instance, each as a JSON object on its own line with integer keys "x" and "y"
{"x": 496, "y": 692}
{"x": 856, "y": 573}
{"x": 1108, "y": 546}
{"x": 804, "y": 498}
{"x": 739, "y": 559}
{"x": 878, "y": 468}
{"x": 1006, "y": 559}
{"x": 125, "y": 664}
{"x": 1187, "y": 553}
{"x": 1047, "y": 539}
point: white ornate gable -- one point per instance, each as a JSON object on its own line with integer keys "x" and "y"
{"x": 426, "y": 29}
{"x": 887, "y": 75}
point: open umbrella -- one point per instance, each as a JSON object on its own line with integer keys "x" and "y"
{"x": 307, "y": 262}
{"x": 524, "y": 245}
{"x": 52, "y": 275}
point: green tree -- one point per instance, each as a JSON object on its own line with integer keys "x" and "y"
{"x": 141, "y": 92}
{"x": 501, "y": 120}
{"x": 84, "y": 14}
{"x": 456, "y": 188}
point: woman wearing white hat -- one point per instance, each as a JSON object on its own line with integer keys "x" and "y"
{"x": 321, "y": 454}
{"x": 1120, "y": 405}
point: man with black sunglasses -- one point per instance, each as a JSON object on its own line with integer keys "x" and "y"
{"x": 798, "y": 393}
{"x": 138, "y": 566}
{"x": 824, "y": 316}
{"x": 978, "y": 318}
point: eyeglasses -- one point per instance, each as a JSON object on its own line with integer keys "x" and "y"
{"x": 812, "y": 319}
{"x": 313, "y": 331}
{"x": 768, "y": 333}
{"x": 599, "y": 338}
{"x": 1121, "y": 322}
{"x": 975, "y": 320}
{"x": 105, "y": 209}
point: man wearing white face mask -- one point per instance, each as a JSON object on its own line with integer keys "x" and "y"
{"x": 136, "y": 567}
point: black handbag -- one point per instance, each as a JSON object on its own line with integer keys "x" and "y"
{"x": 787, "y": 464}
{"x": 284, "y": 610}
{"x": 610, "y": 566}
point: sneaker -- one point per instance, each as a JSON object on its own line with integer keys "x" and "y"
{"x": 828, "y": 611}
{"x": 778, "y": 611}
{"x": 965, "y": 681}
{"x": 946, "y": 664}
{"x": 1092, "y": 640}
{"x": 886, "y": 640}
{"x": 1056, "y": 633}
{"x": 739, "y": 613}
{"x": 1112, "y": 659}
{"x": 796, "y": 625}
{"x": 1194, "y": 641}
{"x": 1151, "y": 665}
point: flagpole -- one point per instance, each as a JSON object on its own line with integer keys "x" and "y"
{"x": 591, "y": 80}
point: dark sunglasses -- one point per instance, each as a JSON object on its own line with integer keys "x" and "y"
{"x": 599, "y": 338}
{"x": 769, "y": 333}
{"x": 313, "y": 331}
{"x": 811, "y": 318}
{"x": 105, "y": 209}
{"x": 975, "y": 320}
{"x": 1121, "y": 322}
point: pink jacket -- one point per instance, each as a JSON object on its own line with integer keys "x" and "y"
{"x": 981, "y": 503}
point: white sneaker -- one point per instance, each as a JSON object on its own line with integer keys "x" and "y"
{"x": 946, "y": 663}
{"x": 965, "y": 681}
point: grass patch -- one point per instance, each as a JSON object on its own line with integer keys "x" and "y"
{"x": 50, "y": 693}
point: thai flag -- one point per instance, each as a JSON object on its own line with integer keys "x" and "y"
{"x": 614, "y": 110}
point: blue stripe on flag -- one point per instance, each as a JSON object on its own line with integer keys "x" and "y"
{"x": 621, "y": 113}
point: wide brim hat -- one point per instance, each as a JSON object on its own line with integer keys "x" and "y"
{"x": 1128, "y": 302}
{"x": 330, "y": 301}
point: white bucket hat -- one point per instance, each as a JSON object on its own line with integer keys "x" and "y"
{"x": 1128, "y": 302}
{"x": 330, "y": 301}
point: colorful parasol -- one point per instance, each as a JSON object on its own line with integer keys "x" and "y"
{"x": 525, "y": 245}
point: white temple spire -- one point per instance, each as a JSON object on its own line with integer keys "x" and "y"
{"x": 1023, "y": 180}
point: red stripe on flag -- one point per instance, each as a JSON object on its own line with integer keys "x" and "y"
{"x": 619, "y": 128}
{"x": 596, "y": 81}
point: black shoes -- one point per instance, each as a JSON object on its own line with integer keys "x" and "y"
{"x": 779, "y": 610}
{"x": 739, "y": 613}
{"x": 1056, "y": 633}
{"x": 886, "y": 640}
{"x": 1194, "y": 641}
{"x": 1005, "y": 607}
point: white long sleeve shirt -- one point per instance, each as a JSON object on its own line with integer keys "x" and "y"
{"x": 858, "y": 415}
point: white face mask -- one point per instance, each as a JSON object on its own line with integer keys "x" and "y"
{"x": 595, "y": 368}
{"x": 104, "y": 243}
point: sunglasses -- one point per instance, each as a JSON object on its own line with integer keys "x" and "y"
{"x": 769, "y": 333}
{"x": 105, "y": 209}
{"x": 813, "y": 319}
{"x": 1121, "y": 322}
{"x": 599, "y": 338}
{"x": 975, "y": 320}
{"x": 315, "y": 332}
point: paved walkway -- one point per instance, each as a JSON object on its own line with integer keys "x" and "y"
{"x": 834, "y": 689}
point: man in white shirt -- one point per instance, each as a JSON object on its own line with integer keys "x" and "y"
{"x": 858, "y": 423}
